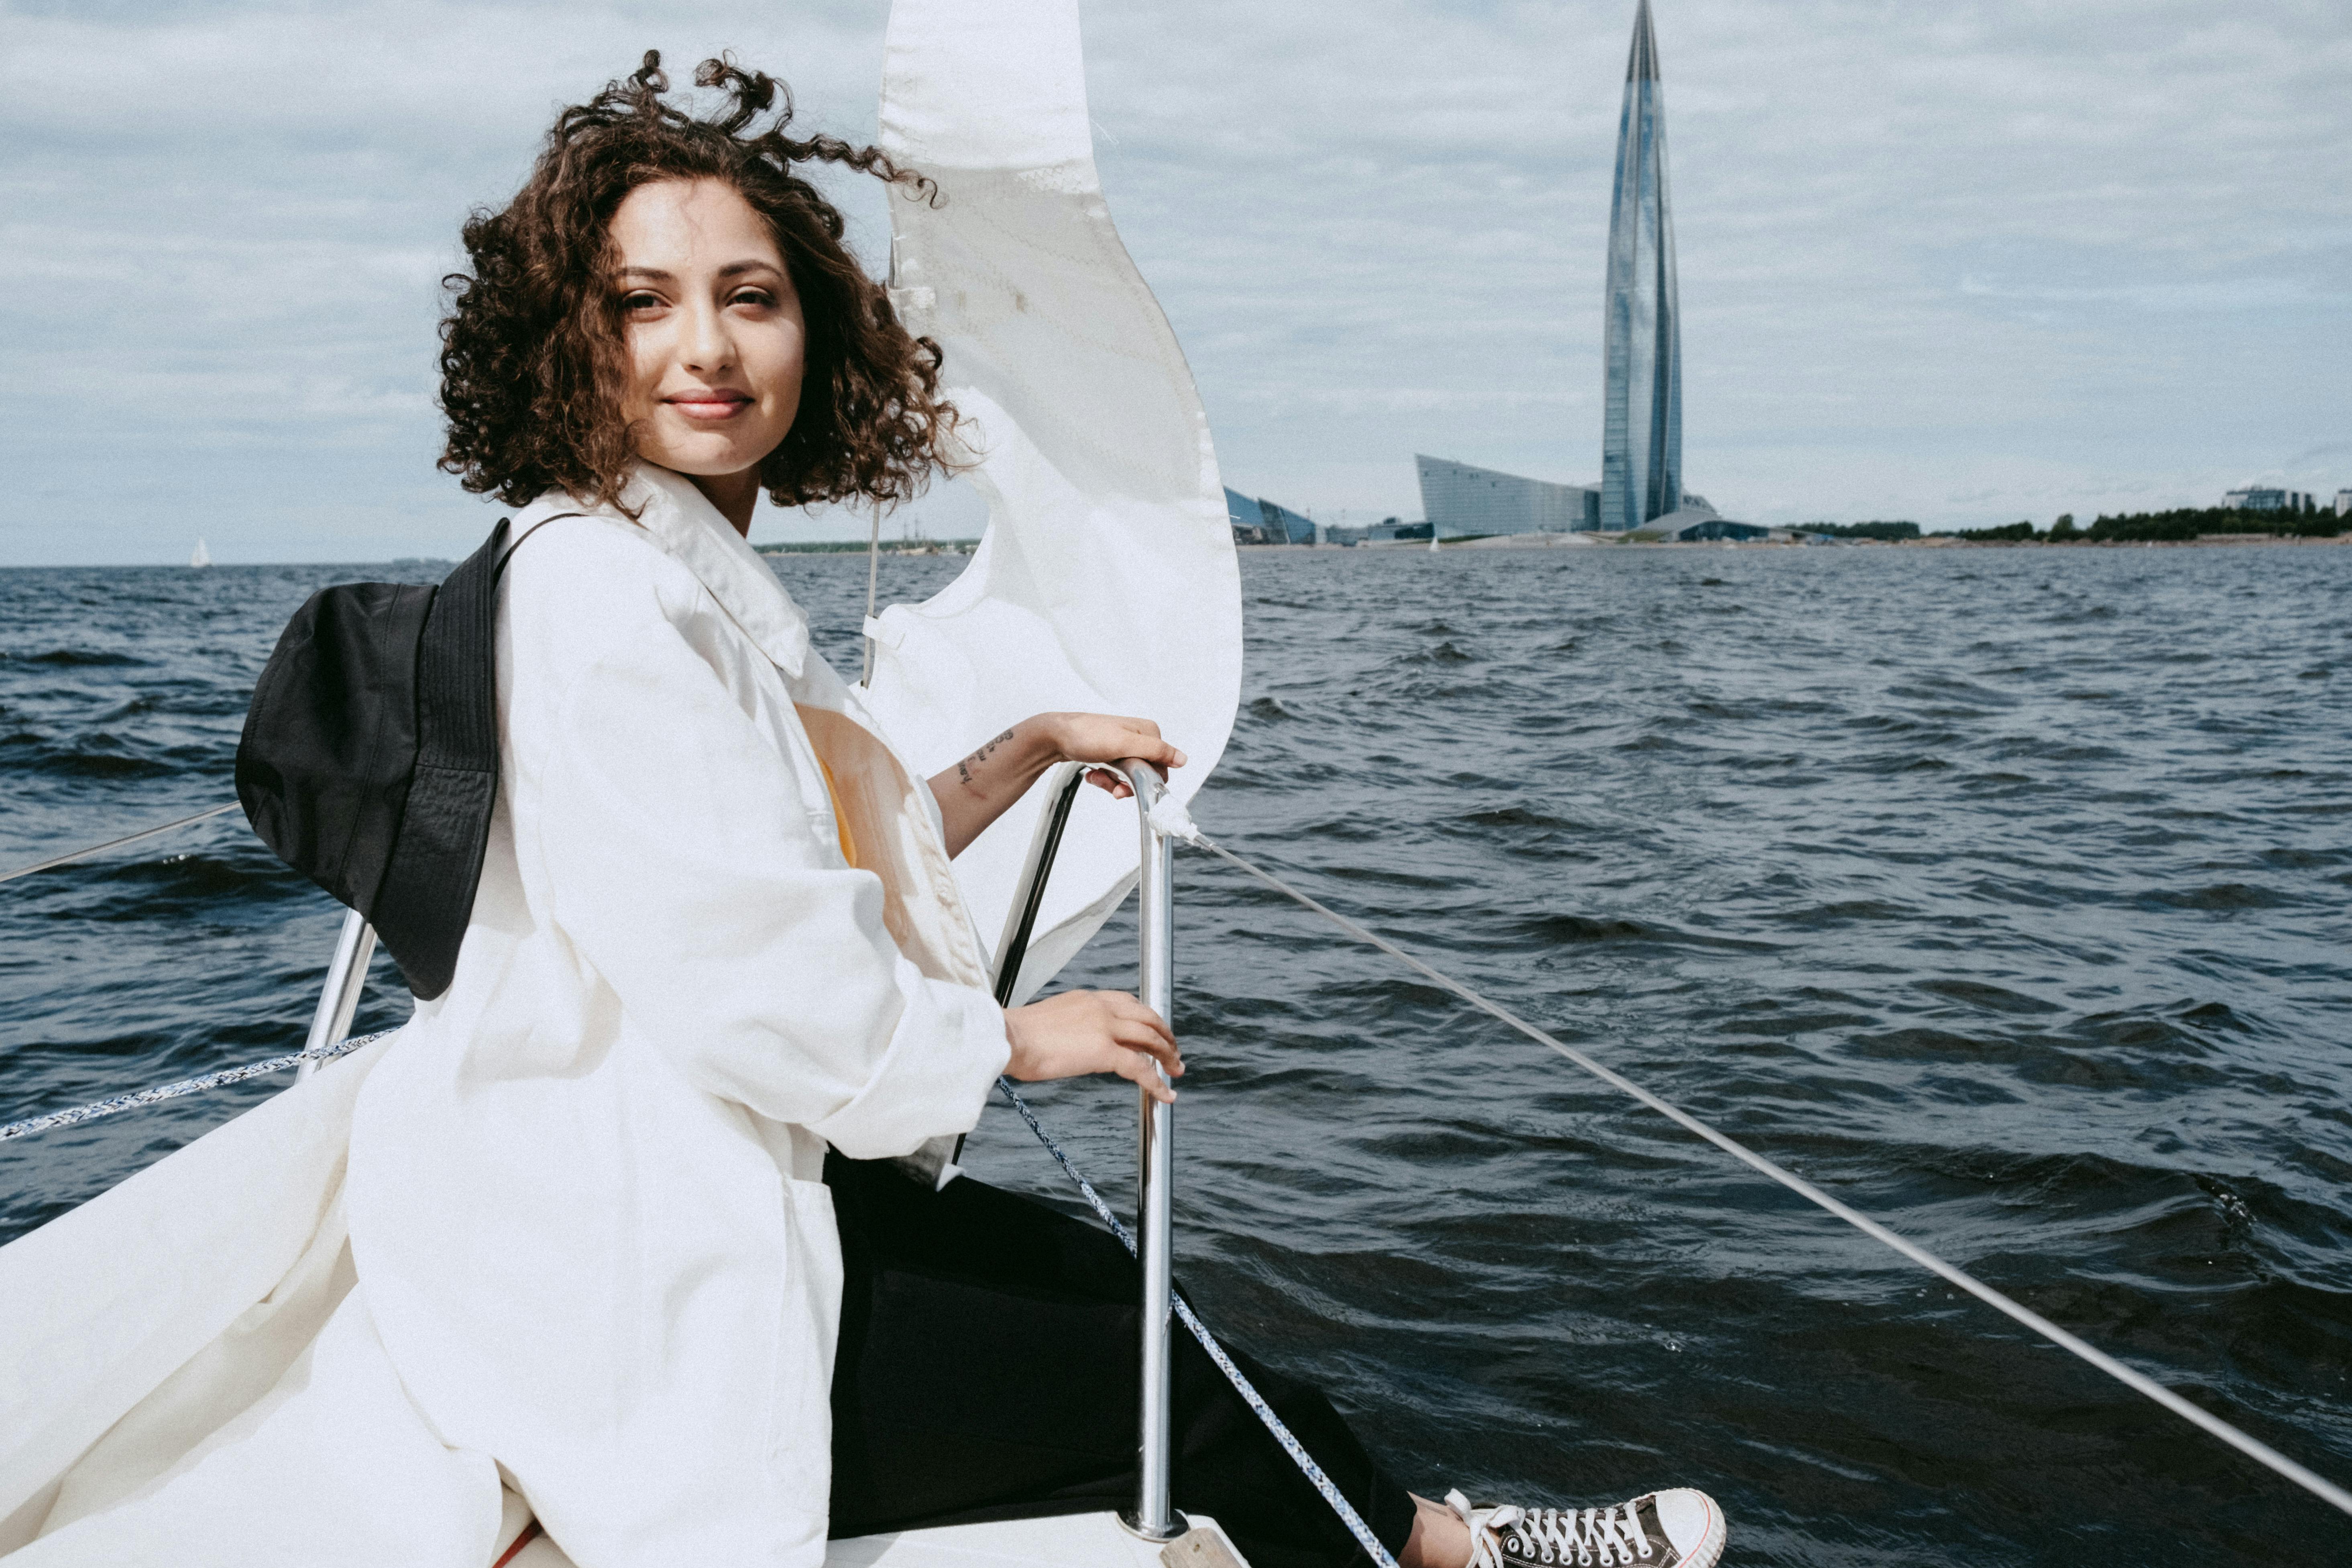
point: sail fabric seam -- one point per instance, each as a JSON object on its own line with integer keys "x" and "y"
{"x": 2253, "y": 1447}
{"x": 1234, "y": 1375}
{"x": 162, "y": 1091}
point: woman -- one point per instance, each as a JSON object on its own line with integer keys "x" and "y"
{"x": 611, "y": 1205}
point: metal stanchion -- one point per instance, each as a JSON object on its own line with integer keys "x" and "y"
{"x": 1155, "y": 1518}
{"x": 346, "y": 978}
{"x": 1060, "y": 788}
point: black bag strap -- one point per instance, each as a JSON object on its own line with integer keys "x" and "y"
{"x": 517, "y": 544}
{"x": 456, "y": 711}
{"x": 457, "y": 718}
{"x": 444, "y": 822}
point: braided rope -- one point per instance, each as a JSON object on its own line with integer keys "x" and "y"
{"x": 1234, "y": 1375}
{"x": 162, "y": 1091}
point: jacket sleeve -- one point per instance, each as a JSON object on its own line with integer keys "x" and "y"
{"x": 686, "y": 870}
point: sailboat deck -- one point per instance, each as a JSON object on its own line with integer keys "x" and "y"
{"x": 1072, "y": 1540}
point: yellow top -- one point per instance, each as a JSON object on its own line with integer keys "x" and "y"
{"x": 840, "y": 819}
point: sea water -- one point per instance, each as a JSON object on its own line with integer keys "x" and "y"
{"x": 2000, "y": 892}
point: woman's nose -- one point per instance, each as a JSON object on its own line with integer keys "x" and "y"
{"x": 708, "y": 346}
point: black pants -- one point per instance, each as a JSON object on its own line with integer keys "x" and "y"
{"x": 988, "y": 1370}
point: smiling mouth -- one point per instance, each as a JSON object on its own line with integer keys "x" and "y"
{"x": 708, "y": 405}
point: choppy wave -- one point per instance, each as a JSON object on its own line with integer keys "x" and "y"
{"x": 2002, "y": 893}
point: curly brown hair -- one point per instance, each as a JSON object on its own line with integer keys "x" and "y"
{"x": 533, "y": 362}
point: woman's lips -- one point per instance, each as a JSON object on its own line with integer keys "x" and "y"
{"x": 702, "y": 404}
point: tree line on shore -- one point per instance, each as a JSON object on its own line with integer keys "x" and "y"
{"x": 1892, "y": 533}
{"x": 2174, "y": 527}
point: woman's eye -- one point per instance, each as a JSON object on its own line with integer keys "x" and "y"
{"x": 633, "y": 303}
{"x": 759, "y": 296}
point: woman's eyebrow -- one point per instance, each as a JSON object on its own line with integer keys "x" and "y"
{"x": 732, "y": 269}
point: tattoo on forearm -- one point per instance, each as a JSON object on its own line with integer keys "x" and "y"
{"x": 963, "y": 768}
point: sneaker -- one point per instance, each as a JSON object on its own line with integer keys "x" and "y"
{"x": 1678, "y": 1528}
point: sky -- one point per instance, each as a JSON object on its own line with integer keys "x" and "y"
{"x": 1960, "y": 263}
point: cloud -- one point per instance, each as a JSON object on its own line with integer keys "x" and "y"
{"x": 1958, "y": 263}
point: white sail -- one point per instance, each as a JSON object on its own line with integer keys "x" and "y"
{"x": 202, "y": 557}
{"x": 1107, "y": 579}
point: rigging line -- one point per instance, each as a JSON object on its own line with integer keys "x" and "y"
{"x": 2253, "y": 1447}
{"x": 1234, "y": 1375}
{"x": 162, "y": 1091}
{"x": 111, "y": 843}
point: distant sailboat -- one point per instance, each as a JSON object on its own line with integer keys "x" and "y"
{"x": 1432, "y": 542}
{"x": 202, "y": 557}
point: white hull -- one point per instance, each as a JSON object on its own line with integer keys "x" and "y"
{"x": 1073, "y": 1541}
{"x": 1076, "y": 1541}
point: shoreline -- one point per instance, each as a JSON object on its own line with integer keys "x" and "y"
{"x": 1935, "y": 541}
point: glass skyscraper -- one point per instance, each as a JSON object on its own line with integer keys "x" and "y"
{"x": 1642, "y": 426}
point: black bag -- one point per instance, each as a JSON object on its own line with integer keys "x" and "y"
{"x": 369, "y": 756}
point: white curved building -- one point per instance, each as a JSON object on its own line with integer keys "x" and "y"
{"x": 1459, "y": 499}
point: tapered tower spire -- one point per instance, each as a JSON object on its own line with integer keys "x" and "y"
{"x": 1641, "y": 405}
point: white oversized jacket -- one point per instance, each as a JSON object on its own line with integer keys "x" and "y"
{"x": 567, "y": 1226}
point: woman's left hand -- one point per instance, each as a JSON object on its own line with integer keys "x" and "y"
{"x": 1105, "y": 737}
{"x": 981, "y": 788}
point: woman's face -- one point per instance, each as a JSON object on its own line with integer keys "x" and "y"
{"x": 716, "y": 339}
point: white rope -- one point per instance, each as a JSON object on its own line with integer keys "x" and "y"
{"x": 1234, "y": 1375}
{"x": 162, "y": 1091}
{"x": 111, "y": 843}
{"x": 1180, "y": 826}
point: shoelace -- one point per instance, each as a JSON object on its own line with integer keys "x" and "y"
{"x": 1584, "y": 1538}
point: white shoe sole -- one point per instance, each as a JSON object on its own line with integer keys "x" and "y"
{"x": 1715, "y": 1531}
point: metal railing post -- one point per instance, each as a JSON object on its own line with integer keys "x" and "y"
{"x": 1061, "y": 785}
{"x": 1061, "y": 790}
{"x": 1155, "y": 1518}
{"x": 340, "y": 998}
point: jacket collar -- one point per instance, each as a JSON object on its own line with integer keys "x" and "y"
{"x": 689, "y": 530}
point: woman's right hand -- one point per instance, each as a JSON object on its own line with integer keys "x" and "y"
{"x": 1081, "y": 1032}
